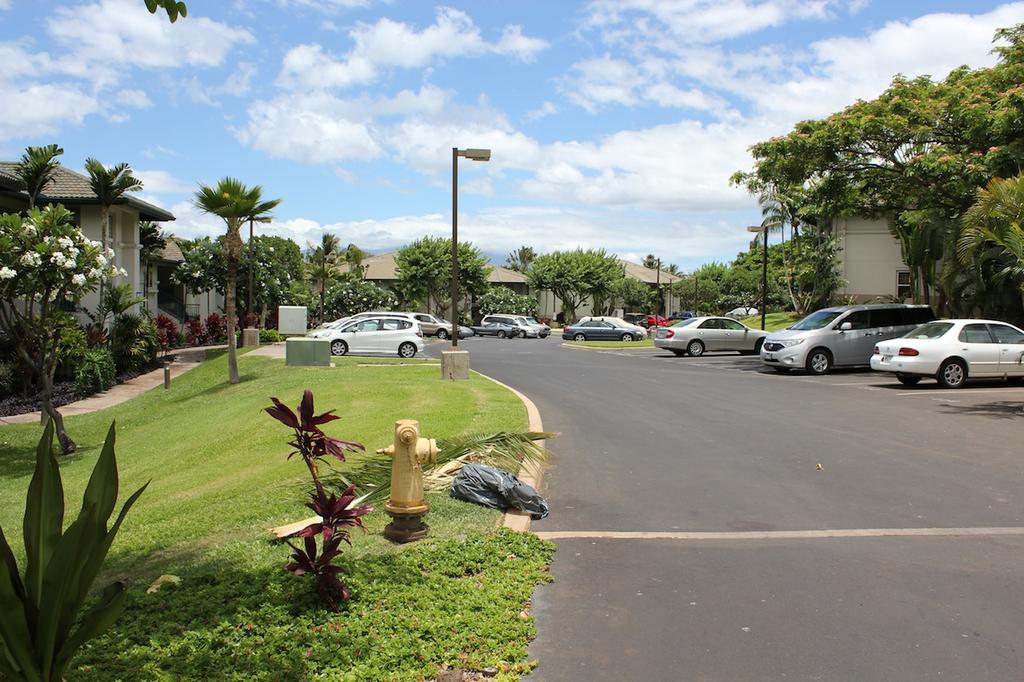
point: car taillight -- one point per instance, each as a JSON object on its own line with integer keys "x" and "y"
{"x": 669, "y": 333}
{"x": 419, "y": 334}
{"x": 908, "y": 352}
{"x": 876, "y": 351}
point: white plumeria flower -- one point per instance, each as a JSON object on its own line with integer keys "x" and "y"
{"x": 78, "y": 280}
{"x": 122, "y": 272}
{"x": 101, "y": 260}
{"x": 31, "y": 259}
{"x": 7, "y": 273}
{"x": 95, "y": 273}
{"x": 53, "y": 295}
{"x": 73, "y": 252}
{"x": 69, "y": 264}
{"x": 65, "y": 243}
{"x": 58, "y": 259}
{"x": 30, "y": 229}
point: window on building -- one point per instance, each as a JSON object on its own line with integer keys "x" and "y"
{"x": 903, "y": 291}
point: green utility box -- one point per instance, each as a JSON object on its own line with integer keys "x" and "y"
{"x": 308, "y": 352}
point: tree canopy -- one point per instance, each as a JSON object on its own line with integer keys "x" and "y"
{"x": 574, "y": 275}
{"x": 425, "y": 271}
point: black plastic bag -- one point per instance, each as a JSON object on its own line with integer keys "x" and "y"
{"x": 497, "y": 489}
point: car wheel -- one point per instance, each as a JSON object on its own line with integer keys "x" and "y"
{"x": 579, "y": 337}
{"x": 627, "y": 337}
{"x": 407, "y": 350}
{"x": 695, "y": 348}
{"x": 501, "y": 334}
{"x": 908, "y": 380}
{"x": 952, "y": 374}
{"x": 819, "y": 361}
{"x": 339, "y": 348}
{"x": 757, "y": 346}
{"x": 442, "y": 334}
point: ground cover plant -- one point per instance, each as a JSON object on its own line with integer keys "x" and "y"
{"x": 221, "y": 478}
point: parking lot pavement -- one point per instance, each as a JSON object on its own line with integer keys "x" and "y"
{"x": 652, "y": 444}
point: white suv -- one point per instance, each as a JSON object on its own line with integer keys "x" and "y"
{"x": 378, "y": 334}
{"x": 523, "y": 328}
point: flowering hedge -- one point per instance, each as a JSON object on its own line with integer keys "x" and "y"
{"x": 356, "y": 296}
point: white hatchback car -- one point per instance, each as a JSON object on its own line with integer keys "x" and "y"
{"x": 384, "y": 335}
{"x": 952, "y": 351}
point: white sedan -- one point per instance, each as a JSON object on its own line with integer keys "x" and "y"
{"x": 377, "y": 335}
{"x": 953, "y": 351}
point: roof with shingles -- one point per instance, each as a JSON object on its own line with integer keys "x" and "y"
{"x": 648, "y": 275}
{"x": 71, "y": 187}
{"x": 172, "y": 250}
{"x": 382, "y": 268}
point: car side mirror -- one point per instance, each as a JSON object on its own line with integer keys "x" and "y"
{"x": 846, "y": 326}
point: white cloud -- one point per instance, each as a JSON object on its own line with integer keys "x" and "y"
{"x": 110, "y": 34}
{"x": 28, "y": 111}
{"x": 162, "y": 182}
{"x": 5, "y": 4}
{"x": 544, "y": 110}
{"x": 389, "y": 43}
{"x": 136, "y": 99}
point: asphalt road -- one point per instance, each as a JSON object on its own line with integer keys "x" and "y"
{"x": 658, "y": 444}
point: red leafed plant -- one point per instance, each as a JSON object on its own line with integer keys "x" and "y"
{"x": 336, "y": 512}
{"x": 168, "y": 330}
{"x": 195, "y": 332}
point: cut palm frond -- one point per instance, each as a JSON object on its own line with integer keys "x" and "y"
{"x": 504, "y": 450}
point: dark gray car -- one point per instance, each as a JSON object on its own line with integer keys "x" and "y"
{"x": 600, "y": 330}
{"x": 499, "y": 329}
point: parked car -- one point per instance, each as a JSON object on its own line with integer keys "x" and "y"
{"x": 500, "y": 329}
{"x": 952, "y": 351}
{"x": 386, "y": 334}
{"x": 432, "y": 325}
{"x": 598, "y": 330}
{"x": 520, "y": 327}
{"x": 742, "y": 312}
{"x": 642, "y": 331}
{"x": 841, "y": 336}
{"x": 685, "y": 315}
{"x": 639, "y": 319}
{"x": 543, "y": 330}
{"x": 699, "y": 334}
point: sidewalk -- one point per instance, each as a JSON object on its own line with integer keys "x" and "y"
{"x": 185, "y": 359}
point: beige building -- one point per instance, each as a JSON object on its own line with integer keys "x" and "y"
{"x": 168, "y": 297}
{"x": 551, "y": 305}
{"x": 871, "y": 261}
{"x": 73, "y": 191}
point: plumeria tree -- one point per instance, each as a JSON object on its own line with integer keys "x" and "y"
{"x": 46, "y": 263}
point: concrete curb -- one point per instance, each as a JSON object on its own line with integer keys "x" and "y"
{"x": 530, "y": 473}
{"x": 611, "y": 349}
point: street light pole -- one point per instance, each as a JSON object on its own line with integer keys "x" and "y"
{"x": 455, "y": 363}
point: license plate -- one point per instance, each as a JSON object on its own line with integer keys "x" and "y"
{"x": 769, "y": 356}
{"x": 886, "y": 358}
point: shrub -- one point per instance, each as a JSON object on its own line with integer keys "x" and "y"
{"x": 42, "y": 609}
{"x": 71, "y": 346}
{"x": 135, "y": 342}
{"x": 216, "y": 329}
{"x": 499, "y": 299}
{"x": 336, "y": 512}
{"x": 168, "y": 330}
{"x": 8, "y": 378}
{"x": 96, "y": 371}
{"x": 195, "y": 332}
{"x": 356, "y": 296}
{"x": 269, "y": 336}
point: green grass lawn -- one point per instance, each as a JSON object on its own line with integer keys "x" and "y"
{"x": 643, "y": 343}
{"x": 772, "y": 321}
{"x": 220, "y": 478}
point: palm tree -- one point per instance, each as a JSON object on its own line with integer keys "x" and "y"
{"x": 109, "y": 185}
{"x": 354, "y": 257}
{"x": 152, "y": 241}
{"x": 650, "y": 262}
{"x": 234, "y": 203}
{"x": 37, "y": 167}
{"x": 992, "y": 229}
{"x": 521, "y": 259}
{"x": 324, "y": 262}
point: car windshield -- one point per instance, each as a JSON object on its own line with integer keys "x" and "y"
{"x": 531, "y": 320}
{"x": 932, "y": 330}
{"x": 817, "y": 320}
{"x": 684, "y": 323}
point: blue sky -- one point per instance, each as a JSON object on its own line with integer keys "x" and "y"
{"x": 613, "y": 123}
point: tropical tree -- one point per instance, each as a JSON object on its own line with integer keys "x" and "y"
{"x": 521, "y": 259}
{"x": 425, "y": 271}
{"x": 650, "y": 261}
{"x": 354, "y": 257}
{"x": 234, "y": 203}
{"x": 45, "y": 263}
{"x": 501, "y": 299}
{"x": 37, "y": 167}
{"x": 323, "y": 266}
{"x": 992, "y": 230}
{"x": 574, "y": 275}
{"x": 634, "y": 294}
{"x": 152, "y": 241}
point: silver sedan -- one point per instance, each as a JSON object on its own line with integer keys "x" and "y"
{"x": 696, "y": 335}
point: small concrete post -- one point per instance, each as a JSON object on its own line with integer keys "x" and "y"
{"x": 407, "y": 507}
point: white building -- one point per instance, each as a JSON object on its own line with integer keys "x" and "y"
{"x": 871, "y": 260}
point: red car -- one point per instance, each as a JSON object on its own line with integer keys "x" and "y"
{"x": 648, "y": 321}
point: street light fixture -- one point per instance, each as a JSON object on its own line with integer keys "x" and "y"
{"x": 455, "y": 363}
{"x": 763, "y": 230}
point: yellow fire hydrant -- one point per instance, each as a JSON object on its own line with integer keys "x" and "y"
{"x": 407, "y": 506}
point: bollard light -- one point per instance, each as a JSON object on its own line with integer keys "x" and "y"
{"x": 167, "y": 375}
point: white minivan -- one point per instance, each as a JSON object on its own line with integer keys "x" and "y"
{"x": 844, "y": 336}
